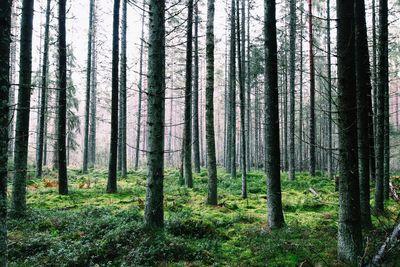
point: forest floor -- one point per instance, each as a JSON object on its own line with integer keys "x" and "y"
{"x": 91, "y": 228}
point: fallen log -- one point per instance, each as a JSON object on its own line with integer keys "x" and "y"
{"x": 391, "y": 244}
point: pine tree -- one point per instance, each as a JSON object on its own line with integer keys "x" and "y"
{"x": 272, "y": 151}
{"x": 23, "y": 110}
{"x": 349, "y": 232}
{"x": 5, "y": 41}
{"x": 112, "y": 167}
{"x": 154, "y": 210}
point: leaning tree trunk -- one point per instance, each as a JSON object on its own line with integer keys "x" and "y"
{"x": 88, "y": 90}
{"x": 196, "y": 138}
{"x": 381, "y": 91}
{"x": 349, "y": 232}
{"x": 312, "y": 93}
{"x": 271, "y": 133}
{"x": 154, "y": 210}
{"x": 23, "y": 110}
{"x": 112, "y": 166}
{"x": 188, "y": 101}
{"x": 212, "y": 198}
{"x": 5, "y": 41}
{"x": 292, "y": 114}
{"x": 62, "y": 104}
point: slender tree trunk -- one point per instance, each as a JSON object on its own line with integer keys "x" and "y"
{"x": 188, "y": 101}
{"x": 24, "y": 99}
{"x": 301, "y": 164}
{"x": 363, "y": 80}
{"x": 39, "y": 162}
{"x": 123, "y": 111}
{"x": 212, "y": 198}
{"x": 62, "y": 104}
{"x": 292, "y": 114}
{"x": 232, "y": 96}
{"x": 248, "y": 88}
{"x": 154, "y": 210}
{"x": 242, "y": 97}
{"x": 380, "y": 120}
{"x": 312, "y": 92}
{"x": 196, "y": 146}
{"x": 112, "y": 167}
{"x": 88, "y": 90}
{"x": 13, "y": 63}
{"x": 5, "y": 41}
{"x": 349, "y": 233}
{"x": 93, "y": 99}
{"x": 139, "y": 113}
{"x": 329, "y": 80}
{"x": 274, "y": 196}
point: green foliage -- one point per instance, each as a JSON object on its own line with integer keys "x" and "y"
{"x": 92, "y": 228}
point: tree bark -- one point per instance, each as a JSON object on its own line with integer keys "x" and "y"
{"x": 349, "y": 232}
{"x": 5, "y": 41}
{"x": 271, "y": 133}
{"x": 139, "y": 114}
{"x": 196, "y": 145}
{"x": 122, "y": 98}
{"x": 154, "y": 210}
{"x": 312, "y": 93}
{"x": 112, "y": 167}
{"x": 23, "y": 110}
{"x": 43, "y": 100}
{"x": 88, "y": 90}
{"x": 212, "y": 198}
{"x": 292, "y": 114}
{"x": 363, "y": 83}
{"x": 62, "y": 104}
{"x": 381, "y": 91}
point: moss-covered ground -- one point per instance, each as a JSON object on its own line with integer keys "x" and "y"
{"x": 91, "y": 228}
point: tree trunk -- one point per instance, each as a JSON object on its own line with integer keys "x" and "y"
{"x": 329, "y": 80}
{"x": 381, "y": 91}
{"x": 196, "y": 145}
{"x": 39, "y": 161}
{"x": 188, "y": 101}
{"x": 271, "y": 133}
{"x": 5, "y": 41}
{"x": 93, "y": 98}
{"x": 88, "y": 90}
{"x": 232, "y": 96}
{"x": 242, "y": 97}
{"x": 292, "y": 114}
{"x": 212, "y": 198}
{"x": 123, "y": 111}
{"x": 112, "y": 167}
{"x": 154, "y": 210}
{"x": 363, "y": 80}
{"x": 62, "y": 104}
{"x": 24, "y": 99}
{"x": 139, "y": 114}
{"x": 312, "y": 93}
{"x": 349, "y": 233}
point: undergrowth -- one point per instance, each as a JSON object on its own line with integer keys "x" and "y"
{"x": 91, "y": 228}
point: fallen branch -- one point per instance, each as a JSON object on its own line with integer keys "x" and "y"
{"x": 390, "y": 244}
{"x": 313, "y": 191}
